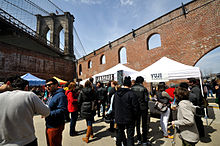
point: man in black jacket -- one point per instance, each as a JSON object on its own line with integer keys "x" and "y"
{"x": 102, "y": 97}
{"x": 143, "y": 97}
{"x": 125, "y": 109}
{"x": 195, "y": 89}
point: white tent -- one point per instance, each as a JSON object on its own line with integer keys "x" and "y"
{"x": 83, "y": 81}
{"x": 112, "y": 72}
{"x": 166, "y": 69}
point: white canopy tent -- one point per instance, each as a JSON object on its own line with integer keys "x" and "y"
{"x": 166, "y": 69}
{"x": 112, "y": 72}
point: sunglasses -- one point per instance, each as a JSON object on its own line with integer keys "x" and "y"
{"x": 48, "y": 85}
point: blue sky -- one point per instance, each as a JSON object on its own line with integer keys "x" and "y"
{"x": 100, "y": 21}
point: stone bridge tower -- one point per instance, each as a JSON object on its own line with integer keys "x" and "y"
{"x": 55, "y": 23}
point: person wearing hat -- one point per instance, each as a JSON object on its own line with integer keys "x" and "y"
{"x": 143, "y": 98}
{"x": 125, "y": 109}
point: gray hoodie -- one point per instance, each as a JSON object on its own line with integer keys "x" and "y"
{"x": 186, "y": 122}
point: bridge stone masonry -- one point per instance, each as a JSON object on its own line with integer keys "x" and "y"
{"x": 22, "y": 51}
{"x": 187, "y": 34}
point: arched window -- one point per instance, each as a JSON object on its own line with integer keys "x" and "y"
{"x": 90, "y": 64}
{"x": 61, "y": 39}
{"x": 48, "y": 37}
{"x": 102, "y": 59}
{"x": 153, "y": 41}
{"x": 80, "y": 69}
{"x": 122, "y": 55}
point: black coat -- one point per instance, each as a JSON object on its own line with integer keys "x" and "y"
{"x": 125, "y": 106}
{"x": 198, "y": 101}
{"x": 102, "y": 94}
{"x": 85, "y": 99}
{"x": 142, "y": 95}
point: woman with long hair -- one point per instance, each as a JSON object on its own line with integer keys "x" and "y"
{"x": 86, "y": 102}
{"x": 164, "y": 97}
{"x": 72, "y": 97}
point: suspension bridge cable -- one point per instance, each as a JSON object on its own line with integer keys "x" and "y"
{"x": 76, "y": 51}
{"x": 19, "y": 7}
{"x": 36, "y": 6}
{"x": 56, "y": 6}
{"x": 79, "y": 40}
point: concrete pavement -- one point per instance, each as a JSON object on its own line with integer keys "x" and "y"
{"x": 105, "y": 138}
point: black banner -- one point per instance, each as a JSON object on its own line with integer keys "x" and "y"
{"x": 105, "y": 78}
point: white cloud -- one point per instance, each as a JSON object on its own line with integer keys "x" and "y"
{"x": 87, "y": 1}
{"x": 126, "y": 2}
{"x": 92, "y": 1}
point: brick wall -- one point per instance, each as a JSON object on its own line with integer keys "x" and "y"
{"x": 19, "y": 61}
{"x": 185, "y": 39}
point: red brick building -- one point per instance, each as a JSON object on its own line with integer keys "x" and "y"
{"x": 186, "y": 34}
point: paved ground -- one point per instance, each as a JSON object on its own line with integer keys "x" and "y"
{"x": 104, "y": 138}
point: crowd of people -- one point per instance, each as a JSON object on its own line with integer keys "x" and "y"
{"x": 124, "y": 107}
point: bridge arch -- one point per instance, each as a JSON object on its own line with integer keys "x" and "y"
{"x": 209, "y": 62}
{"x": 56, "y": 23}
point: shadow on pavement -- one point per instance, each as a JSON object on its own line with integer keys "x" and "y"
{"x": 99, "y": 135}
{"x": 155, "y": 134}
{"x": 208, "y": 131}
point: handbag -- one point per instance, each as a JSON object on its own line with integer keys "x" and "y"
{"x": 94, "y": 106}
{"x": 160, "y": 106}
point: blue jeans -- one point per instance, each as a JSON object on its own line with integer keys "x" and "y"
{"x": 210, "y": 91}
{"x": 74, "y": 116}
{"x": 89, "y": 123}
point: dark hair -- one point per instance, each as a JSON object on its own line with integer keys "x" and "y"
{"x": 127, "y": 81}
{"x": 161, "y": 87}
{"x": 11, "y": 79}
{"x": 19, "y": 83}
{"x": 139, "y": 79}
{"x": 192, "y": 80}
{"x": 52, "y": 80}
{"x": 88, "y": 84}
{"x": 91, "y": 80}
{"x": 181, "y": 93}
{"x": 184, "y": 85}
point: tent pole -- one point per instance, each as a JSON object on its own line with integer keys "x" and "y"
{"x": 201, "y": 85}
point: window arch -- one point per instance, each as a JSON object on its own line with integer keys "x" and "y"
{"x": 48, "y": 36}
{"x": 61, "y": 39}
{"x": 80, "y": 69}
{"x": 89, "y": 64}
{"x": 102, "y": 59}
{"x": 154, "y": 41}
{"x": 122, "y": 55}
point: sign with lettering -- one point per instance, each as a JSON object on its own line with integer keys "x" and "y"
{"x": 105, "y": 78}
{"x": 156, "y": 76}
